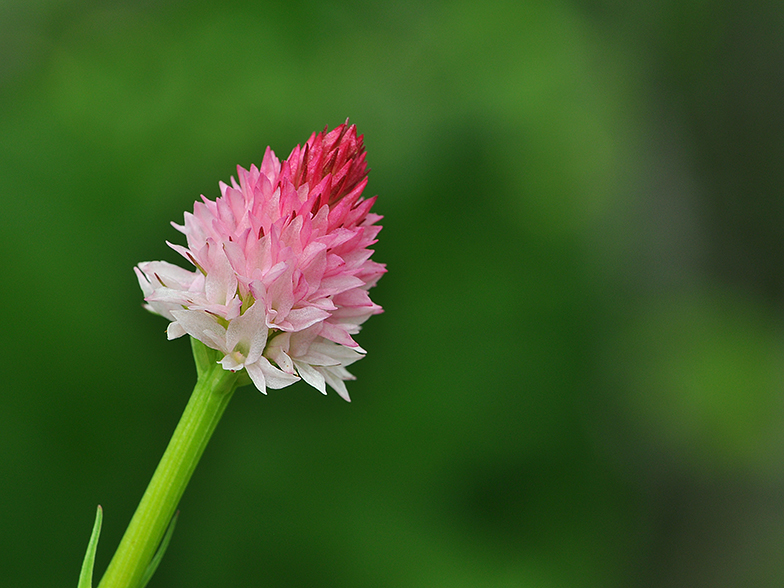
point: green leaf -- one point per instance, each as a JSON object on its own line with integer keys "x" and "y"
{"x": 86, "y": 575}
{"x": 156, "y": 559}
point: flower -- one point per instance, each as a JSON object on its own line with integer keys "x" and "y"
{"x": 282, "y": 264}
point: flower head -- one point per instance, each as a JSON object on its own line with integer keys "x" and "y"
{"x": 282, "y": 264}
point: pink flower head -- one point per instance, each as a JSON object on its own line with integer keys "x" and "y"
{"x": 283, "y": 267}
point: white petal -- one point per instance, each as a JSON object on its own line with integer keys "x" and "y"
{"x": 257, "y": 376}
{"x": 168, "y": 274}
{"x": 144, "y": 281}
{"x": 314, "y": 358}
{"x": 326, "y": 353}
{"x": 203, "y": 327}
{"x": 312, "y": 376}
{"x": 336, "y": 383}
{"x": 215, "y": 340}
{"x": 174, "y": 331}
{"x": 274, "y": 377}
{"x": 230, "y": 363}
{"x": 277, "y": 351}
{"x": 250, "y": 330}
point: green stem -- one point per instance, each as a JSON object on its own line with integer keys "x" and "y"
{"x": 214, "y": 388}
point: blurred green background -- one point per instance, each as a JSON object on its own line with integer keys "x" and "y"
{"x": 578, "y": 377}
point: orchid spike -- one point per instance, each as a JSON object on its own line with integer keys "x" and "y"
{"x": 282, "y": 264}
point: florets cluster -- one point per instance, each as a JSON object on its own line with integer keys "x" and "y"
{"x": 282, "y": 264}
